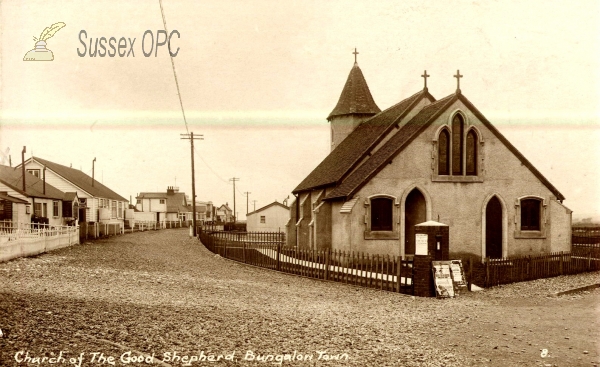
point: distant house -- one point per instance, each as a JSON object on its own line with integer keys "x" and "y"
{"x": 38, "y": 202}
{"x": 224, "y": 214}
{"x": 97, "y": 203}
{"x": 204, "y": 211}
{"x": 171, "y": 205}
{"x": 270, "y": 218}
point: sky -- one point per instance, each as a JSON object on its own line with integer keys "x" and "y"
{"x": 258, "y": 78}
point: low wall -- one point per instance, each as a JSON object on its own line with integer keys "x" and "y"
{"x": 21, "y": 244}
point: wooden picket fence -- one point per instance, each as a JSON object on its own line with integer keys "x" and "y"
{"x": 519, "y": 269}
{"x": 268, "y": 250}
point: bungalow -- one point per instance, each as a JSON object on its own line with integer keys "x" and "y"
{"x": 96, "y": 202}
{"x": 171, "y": 205}
{"x": 26, "y": 199}
{"x": 270, "y": 218}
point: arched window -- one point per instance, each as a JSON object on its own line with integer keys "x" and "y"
{"x": 382, "y": 214}
{"x": 457, "y": 144}
{"x": 530, "y": 214}
{"x": 471, "y": 153}
{"x": 444, "y": 153}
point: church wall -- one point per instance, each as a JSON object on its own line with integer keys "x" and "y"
{"x": 291, "y": 225}
{"x": 303, "y": 229}
{"x": 560, "y": 227}
{"x": 322, "y": 222}
{"x": 458, "y": 204}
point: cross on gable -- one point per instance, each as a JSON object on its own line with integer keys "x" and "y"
{"x": 355, "y": 53}
{"x": 425, "y": 76}
{"x": 458, "y": 76}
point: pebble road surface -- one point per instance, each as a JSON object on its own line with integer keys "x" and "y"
{"x": 161, "y": 293}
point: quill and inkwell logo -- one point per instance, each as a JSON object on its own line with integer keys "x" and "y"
{"x": 40, "y": 52}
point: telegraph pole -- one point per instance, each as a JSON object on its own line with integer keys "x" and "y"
{"x": 254, "y": 202}
{"x": 247, "y": 196}
{"x": 234, "y": 179}
{"x": 191, "y": 138}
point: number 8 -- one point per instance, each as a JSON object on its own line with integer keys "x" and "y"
{"x": 544, "y": 353}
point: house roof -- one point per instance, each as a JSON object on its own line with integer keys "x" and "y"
{"x": 348, "y": 154}
{"x": 275, "y": 203}
{"x": 356, "y": 97}
{"x": 13, "y": 178}
{"x": 227, "y": 208}
{"x": 177, "y": 203}
{"x": 70, "y": 196}
{"x": 407, "y": 133}
{"x": 81, "y": 180}
{"x": 7, "y": 197}
{"x": 152, "y": 195}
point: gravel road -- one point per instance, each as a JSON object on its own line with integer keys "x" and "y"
{"x": 163, "y": 294}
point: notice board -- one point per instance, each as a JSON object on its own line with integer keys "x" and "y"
{"x": 448, "y": 278}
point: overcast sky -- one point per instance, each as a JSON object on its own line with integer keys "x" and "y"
{"x": 258, "y": 79}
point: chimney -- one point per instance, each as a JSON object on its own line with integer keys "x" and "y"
{"x": 23, "y": 164}
{"x": 93, "y": 162}
{"x": 44, "y": 179}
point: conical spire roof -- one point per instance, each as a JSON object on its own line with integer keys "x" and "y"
{"x": 356, "y": 97}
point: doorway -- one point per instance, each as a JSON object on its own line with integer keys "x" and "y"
{"x": 493, "y": 229}
{"x": 415, "y": 212}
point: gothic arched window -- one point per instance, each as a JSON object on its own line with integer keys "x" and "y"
{"x": 471, "y": 153}
{"x": 457, "y": 144}
{"x": 444, "y": 153}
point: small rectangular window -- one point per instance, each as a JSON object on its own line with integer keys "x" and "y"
{"x": 35, "y": 172}
{"x": 382, "y": 214}
{"x": 45, "y": 212}
{"x": 162, "y": 201}
{"x": 114, "y": 209}
{"x": 55, "y": 208}
{"x": 263, "y": 219}
{"x": 37, "y": 209}
{"x": 530, "y": 215}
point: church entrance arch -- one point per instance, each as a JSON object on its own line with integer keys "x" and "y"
{"x": 493, "y": 229}
{"x": 415, "y": 212}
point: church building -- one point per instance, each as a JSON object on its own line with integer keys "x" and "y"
{"x": 424, "y": 159}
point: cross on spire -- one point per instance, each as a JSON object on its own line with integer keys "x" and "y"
{"x": 355, "y": 53}
{"x": 458, "y": 76}
{"x": 425, "y": 76}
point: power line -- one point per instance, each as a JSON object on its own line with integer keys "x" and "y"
{"x": 162, "y": 12}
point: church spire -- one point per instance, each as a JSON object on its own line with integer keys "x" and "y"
{"x": 356, "y": 97}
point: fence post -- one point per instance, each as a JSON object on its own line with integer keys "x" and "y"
{"x": 278, "y": 255}
{"x": 470, "y": 278}
{"x": 560, "y": 267}
{"x": 589, "y": 260}
{"x": 244, "y": 251}
{"x": 487, "y": 272}
{"x": 327, "y": 259}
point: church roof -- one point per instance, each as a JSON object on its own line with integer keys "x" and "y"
{"x": 356, "y": 97}
{"x": 407, "y": 133}
{"x": 356, "y": 145}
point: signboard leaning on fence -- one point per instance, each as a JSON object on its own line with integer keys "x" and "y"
{"x": 448, "y": 277}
